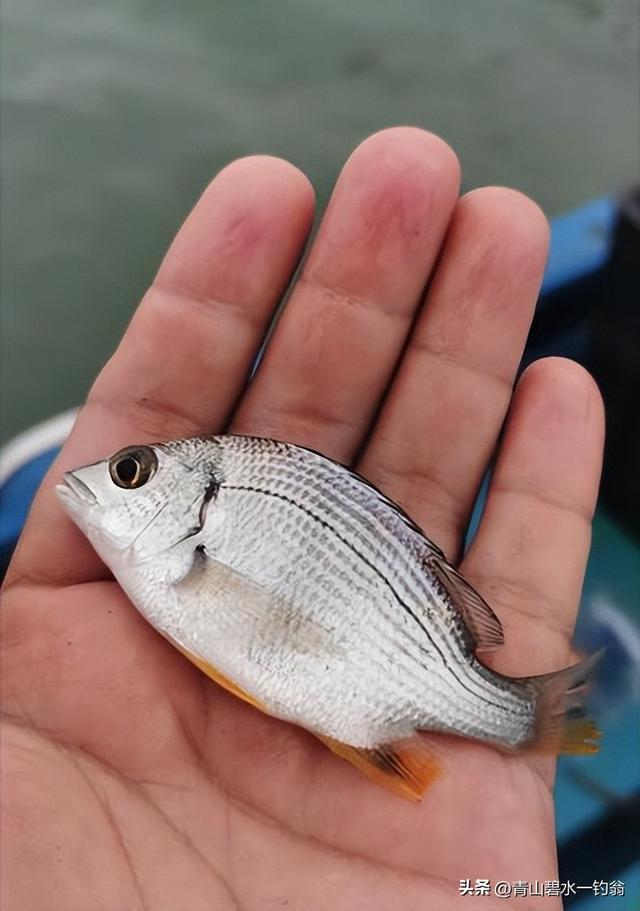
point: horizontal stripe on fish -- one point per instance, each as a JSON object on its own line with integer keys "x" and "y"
{"x": 307, "y": 590}
{"x": 470, "y": 684}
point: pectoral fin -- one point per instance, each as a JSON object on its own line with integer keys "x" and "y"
{"x": 406, "y": 767}
{"x": 273, "y": 617}
{"x": 208, "y": 579}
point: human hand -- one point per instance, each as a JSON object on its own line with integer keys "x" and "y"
{"x": 131, "y": 780}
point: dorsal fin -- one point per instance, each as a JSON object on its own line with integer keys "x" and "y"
{"x": 482, "y": 623}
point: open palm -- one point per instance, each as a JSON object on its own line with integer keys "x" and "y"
{"x": 134, "y": 782}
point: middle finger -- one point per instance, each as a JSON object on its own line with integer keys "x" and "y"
{"x": 340, "y": 335}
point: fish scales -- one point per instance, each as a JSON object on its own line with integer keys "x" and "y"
{"x": 246, "y": 481}
{"x": 324, "y": 507}
{"x": 312, "y": 595}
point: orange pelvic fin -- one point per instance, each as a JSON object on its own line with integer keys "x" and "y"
{"x": 217, "y": 675}
{"x": 406, "y": 767}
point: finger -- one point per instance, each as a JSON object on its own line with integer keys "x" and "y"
{"x": 342, "y": 331}
{"x": 444, "y": 411}
{"x": 185, "y": 357}
{"x": 183, "y": 360}
{"x": 529, "y": 555}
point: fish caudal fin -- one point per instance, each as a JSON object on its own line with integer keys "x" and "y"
{"x": 406, "y": 767}
{"x": 562, "y": 725}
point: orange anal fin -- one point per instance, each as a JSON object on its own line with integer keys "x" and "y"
{"x": 217, "y": 676}
{"x": 406, "y": 767}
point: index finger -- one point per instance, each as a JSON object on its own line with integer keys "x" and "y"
{"x": 183, "y": 361}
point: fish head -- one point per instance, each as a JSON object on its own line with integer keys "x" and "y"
{"x": 140, "y": 503}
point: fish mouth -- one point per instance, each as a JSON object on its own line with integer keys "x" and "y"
{"x": 75, "y": 491}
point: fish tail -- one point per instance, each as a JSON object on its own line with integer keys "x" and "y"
{"x": 562, "y": 724}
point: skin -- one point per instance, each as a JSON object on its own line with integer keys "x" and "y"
{"x": 132, "y": 781}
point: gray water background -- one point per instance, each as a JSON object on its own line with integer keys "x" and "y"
{"x": 116, "y": 114}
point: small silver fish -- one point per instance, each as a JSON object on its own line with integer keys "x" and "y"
{"x": 300, "y": 587}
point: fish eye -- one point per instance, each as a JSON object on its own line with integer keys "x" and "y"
{"x": 132, "y": 467}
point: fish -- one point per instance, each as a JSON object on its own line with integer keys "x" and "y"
{"x": 297, "y": 585}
